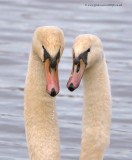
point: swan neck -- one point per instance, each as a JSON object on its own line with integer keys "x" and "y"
{"x": 96, "y": 87}
{"x": 40, "y": 114}
{"x": 96, "y": 112}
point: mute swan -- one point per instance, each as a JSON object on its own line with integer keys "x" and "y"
{"x": 89, "y": 62}
{"x": 41, "y": 83}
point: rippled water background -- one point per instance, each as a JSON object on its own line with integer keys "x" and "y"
{"x": 18, "y": 20}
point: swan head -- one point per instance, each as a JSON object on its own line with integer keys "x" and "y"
{"x": 48, "y": 45}
{"x": 87, "y": 51}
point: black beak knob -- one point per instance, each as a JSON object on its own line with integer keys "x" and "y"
{"x": 71, "y": 87}
{"x": 53, "y": 92}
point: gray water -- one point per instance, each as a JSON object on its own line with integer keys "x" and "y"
{"x": 18, "y": 20}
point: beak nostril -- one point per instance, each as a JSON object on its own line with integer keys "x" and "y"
{"x": 53, "y": 92}
{"x": 71, "y": 87}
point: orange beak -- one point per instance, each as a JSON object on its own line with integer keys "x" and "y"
{"x": 76, "y": 76}
{"x": 52, "y": 80}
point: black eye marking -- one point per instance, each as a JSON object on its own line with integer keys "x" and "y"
{"x": 53, "y": 61}
{"x": 46, "y": 54}
{"x": 78, "y": 67}
{"x": 73, "y": 54}
{"x": 83, "y": 56}
{"x": 58, "y": 55}
{"x": 89, "y": 50}
{"x": 75, "y": 60}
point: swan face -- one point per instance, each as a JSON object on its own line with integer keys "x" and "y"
{"x": 48, "y": 45}
{"x": 86, "y": 52}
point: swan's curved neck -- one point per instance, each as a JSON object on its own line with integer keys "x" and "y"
{"x": 96, "y": 112}
{"x": 40, "y": 114}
